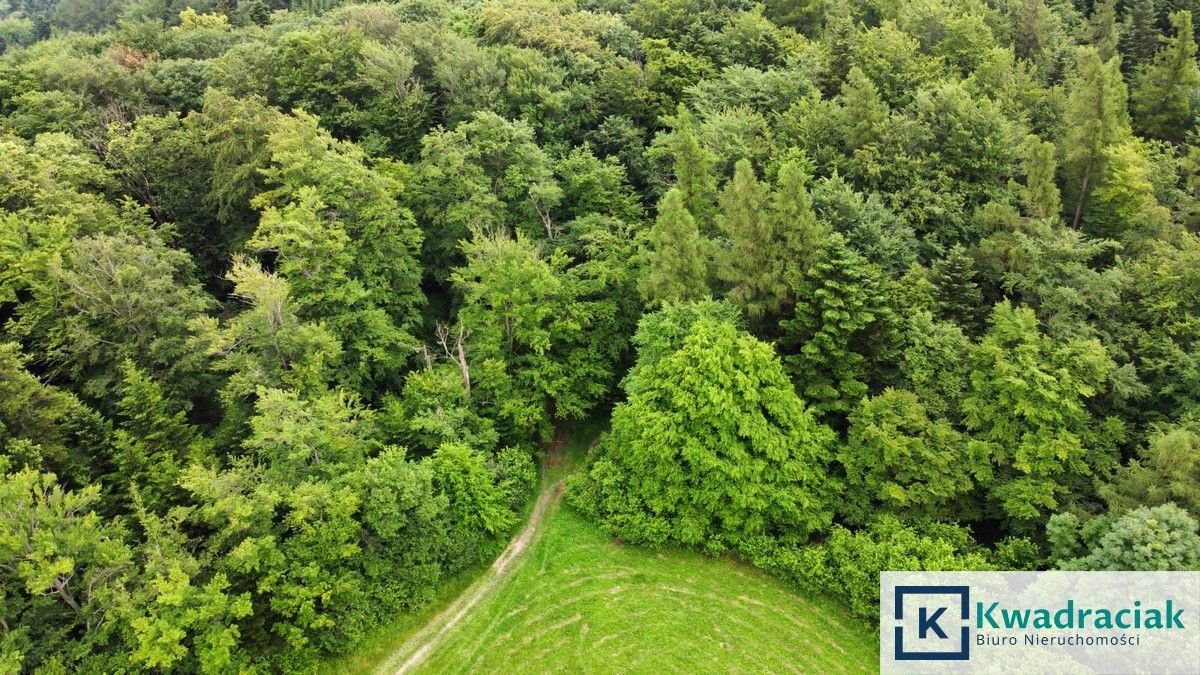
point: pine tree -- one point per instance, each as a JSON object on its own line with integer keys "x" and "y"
{"x": 1094, "y": 119}
{"x": 955, "y": 290}
{"x": 1166, "y": 90}
{"x": 1039, "y": 194}
{"x": 693, "y": 170}
{"x": 1104, "y": 31}
{"x": 675, "y": 266}
{"x": 749, "y": 265}
{"x": 863, "y": 110}
{"x": 1139, "y": 34}
{"x": 799, "y": 233}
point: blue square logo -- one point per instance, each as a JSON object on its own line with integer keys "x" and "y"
{"x": 931, "y": 617}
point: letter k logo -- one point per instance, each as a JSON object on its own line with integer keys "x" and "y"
{"x": 925, "y": 623}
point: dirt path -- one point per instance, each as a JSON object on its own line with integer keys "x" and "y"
{"x": 419, "y": 646}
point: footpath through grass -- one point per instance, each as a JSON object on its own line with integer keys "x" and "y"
{"x": 580, "y": 602}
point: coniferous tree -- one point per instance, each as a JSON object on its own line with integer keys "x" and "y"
{"x": 1139, "y": 33}
{"x": 1095, "y": 118}
{"x": 864, "y": 111}
{"x": 841, "y": 318}
{"x": 1166, "y": 91}
{"x": 676, "y": 267}
{"x": 748, "y": 266}
{"x": 693, "y": 170}
{"x": 1039, "y": 195}
{"x": 955, "y": 289}
{"x": 1104, "y": 30}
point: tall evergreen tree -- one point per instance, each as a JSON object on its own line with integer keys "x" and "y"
{"x": 1104, "y": 31}
{"x": 864, "y": 111}
{"x": 841, "y": 324}
{"x": 1139, "y": 34}
{"x": 1039, "y": 195}
{"x": 957, "y": 294}
{"x": 1095, "y": 118}
{"x": 693, "y": 170}
{"x": 676, "y": 266}
{"x": 748, "y": 265}
{"x": 1166, "y": 92}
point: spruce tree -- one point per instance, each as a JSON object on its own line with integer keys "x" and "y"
{"x": 799, "y": 233}
{"x": 863, "y": 110}
{"x": 955, "y": 290}
{"x": 1139, "y": 34}
{"x": 693, "y": 170}
{"x": 842, "y": 318}
{"x": 675, "y": 266}
{"x": 1166, "y": 90}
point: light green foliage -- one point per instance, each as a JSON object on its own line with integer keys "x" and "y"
{"x": 712, "y": 445}
{"x": 65, "y": 570}
{"x": 266, "y": 344}
{"x": 1039, "y": 195}
{"x": 676, "y": 262}
{"x": 533, "y": 345}
{"x": 315, "y": 255}
{"x": 893, "y": 61}
{"x": 1095, "y": 118}
{"x": 1168, "y": 470}
{"x": 1124, "y": 203}
{"x": 384, "y": 242}
{"x": 1162, "y": 538}
{"x": 177, "y": 618}
{"x": 307, "y": 439}
{"x": 841, "y": 326}
{"x": 1104, "y": 29}
{"x": 475, "y": 503}
{"x": 435, "y": 408}
{"x": 290, "y": 296}
{"x": 899, "y": 461}
{"x": 693, "y": 167}
{"x": 489, "y": 175}
{"x": 863, "y": 112}
{"x": 1028, "y": 400}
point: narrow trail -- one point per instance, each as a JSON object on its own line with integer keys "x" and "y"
{"x": 420, "y": 645}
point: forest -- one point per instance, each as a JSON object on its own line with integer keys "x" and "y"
{"x": 294, "y": 296}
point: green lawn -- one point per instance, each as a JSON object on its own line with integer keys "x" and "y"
{"x": 581, "y": 603}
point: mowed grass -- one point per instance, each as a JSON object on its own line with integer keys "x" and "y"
{"x": 580, "y": 602}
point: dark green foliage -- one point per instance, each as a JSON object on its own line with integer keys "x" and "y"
{"x": 841, "y": 327}
{"x": 955, "y": 290}
{"x": 848, "y": 563}
{"x": 1166, "y": 90}
{"x": 290, "y": 292}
